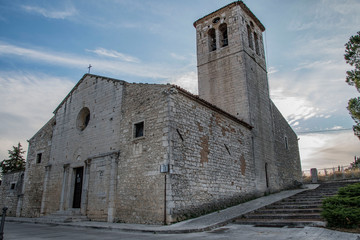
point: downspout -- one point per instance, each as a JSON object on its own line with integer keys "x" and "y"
{"x": 169, "y": 146}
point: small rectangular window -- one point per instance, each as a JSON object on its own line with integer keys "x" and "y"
{"x": 38, "y": 158}
{"x": 12, "y": 186}
{"x": 138, "y": 129}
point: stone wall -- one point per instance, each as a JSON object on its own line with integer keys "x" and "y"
{"x": 77, "y": 139}
{"x": 11, "y": 192}
{"x": 287, "y": 152}
{"x": 212, "y": 165}
{"x": 223, "y": 73}
{"x": 141, "y": 186}
{"x": 39, "y": 145}
{"x": 234, "y": 78}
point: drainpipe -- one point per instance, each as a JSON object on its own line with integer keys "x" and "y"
{"x": 169, "y": 150}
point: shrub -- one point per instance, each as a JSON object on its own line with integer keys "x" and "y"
{"x": 343, "y": 209}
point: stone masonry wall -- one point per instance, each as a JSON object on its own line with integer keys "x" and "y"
{"x": 72, "y": 146}
{"x": 222, "y": 74}
{"x": 10, "y": 191}
{"x": 234, "y": 78}
{"x": 212, "y": 165}
{"x": 287, "y": 152}
{"x": 40, "y": 143}
{"x": 141, "y": 186}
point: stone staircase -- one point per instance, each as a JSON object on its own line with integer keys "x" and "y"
{"x": 72, "y": 215}
{"x": 302, "y": 209}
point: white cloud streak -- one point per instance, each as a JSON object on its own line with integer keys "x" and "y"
{"x": 50, "y": 13}
{"x": 185, "y": 77}
{"x": 114, "y": 54}
{"x": 76, "y": 61}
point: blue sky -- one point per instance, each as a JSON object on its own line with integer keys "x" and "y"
{"x": 46, "y": 47}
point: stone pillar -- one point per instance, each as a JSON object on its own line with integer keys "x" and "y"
{"x": 46, "y": 179}
{"x": 65, "y": 176}
{"x": 112, "y": 187}
{"x": 85, "y": 190}
{"x": 314, "y": 175}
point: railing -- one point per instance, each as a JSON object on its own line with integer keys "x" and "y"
{"x": 331, "y": 174}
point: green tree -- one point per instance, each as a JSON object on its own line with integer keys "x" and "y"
{"x": 356, "y": 163}
{"x": 15, "y": 162}
{"x": 352, "y": 57}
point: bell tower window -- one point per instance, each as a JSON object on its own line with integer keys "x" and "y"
{"x": 251, "y": 45}
{"x": 212, "y": 39}
{"x": 224, "y": 35}
{"x": 256, "y": 39}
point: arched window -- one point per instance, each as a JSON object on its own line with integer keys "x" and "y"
{"x": 224, "y": 41}
{"x": 212, "y": 39}
{"x": 257, "y": 50}
{"x": 250, "y": 37}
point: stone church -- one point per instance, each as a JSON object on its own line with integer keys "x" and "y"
{"x": 152, "y": 153}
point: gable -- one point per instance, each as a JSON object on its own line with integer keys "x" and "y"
{"x": 81, "y": 82}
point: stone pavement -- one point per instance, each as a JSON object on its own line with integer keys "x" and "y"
{"x": 32, "y": 231}
{"x": 200, "y": 224}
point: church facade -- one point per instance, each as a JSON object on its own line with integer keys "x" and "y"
{"x": 152, "y": 153}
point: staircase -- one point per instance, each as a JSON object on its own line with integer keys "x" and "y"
{"x": 72, "y": 215}
{"x": 302, "y": 209}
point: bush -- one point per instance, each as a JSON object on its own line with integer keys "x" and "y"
{"x": 343, "y": 209}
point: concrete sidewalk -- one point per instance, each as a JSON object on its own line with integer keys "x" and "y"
{"x": 203, "y": 223}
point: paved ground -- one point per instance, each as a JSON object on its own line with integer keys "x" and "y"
{"x": 203, "y": 223}
{"x": 212, "y": 226}
{"x": 32, "y": 231}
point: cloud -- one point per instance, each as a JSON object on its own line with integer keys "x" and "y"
{"x": 114, "y": 54}
{"x": 162, "y": 72}
{"x": 325, "y": 15}
{"x": 50, "y": 13}
{"x": 311, "y": 90}
{"x": 293, "y": 108}
{"x": 177, "y": 56}
{"x": 27, "y": 103}
{"x": 328, "y": 149}
{"x": 80, "y": 62}
{"x": 272, "y": 70}
{"x": 187, "y": 81}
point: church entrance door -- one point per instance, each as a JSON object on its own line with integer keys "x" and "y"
{"x": 78, "y": 187}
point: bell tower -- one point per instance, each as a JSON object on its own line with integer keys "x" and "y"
{"x": 232, "y": 75}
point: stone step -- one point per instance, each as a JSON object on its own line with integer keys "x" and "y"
{"x": 282, "y": 222}
{"x": 286, "y": 210}
{"x": 65, "y": 216}
{"x": 303, "y": 209}
{"x": 311, "y": 196}
{"x": 318, "y": 203}
{"x": 63, "y": 219}
{"x": 292, "y": 206}
{"x": 301, "y": 200}
{"x": 283, "y": 216}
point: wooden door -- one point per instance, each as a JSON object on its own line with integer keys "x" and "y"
{"x": 78, "y": 187}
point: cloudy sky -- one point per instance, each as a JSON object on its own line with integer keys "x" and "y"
{"x": 46, "y": 47}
